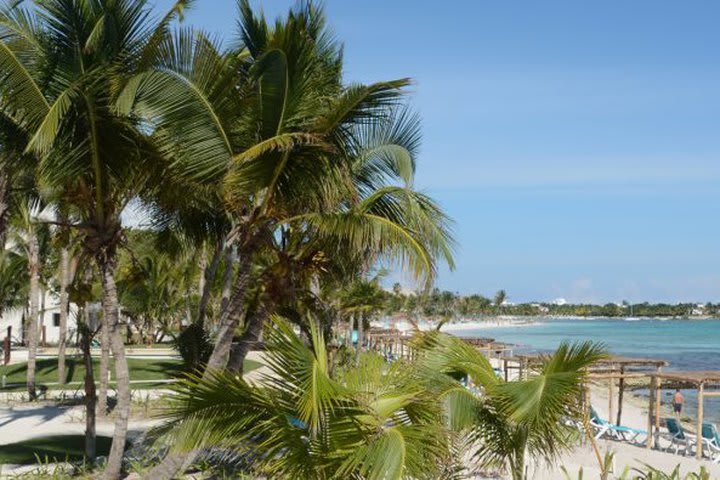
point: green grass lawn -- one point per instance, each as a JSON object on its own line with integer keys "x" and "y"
{"x": 58, "y": 448}
{"x": 149, "y": 370}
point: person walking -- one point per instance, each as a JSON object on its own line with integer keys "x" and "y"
{"x": 678, "y": 401}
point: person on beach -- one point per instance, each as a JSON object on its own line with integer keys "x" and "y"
{"x": 678, "y": 401}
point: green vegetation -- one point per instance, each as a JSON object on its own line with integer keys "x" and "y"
{"x": 316, "y": 418}
{"x": 58, "y": 448}
{"x": 273, "y": 188}
{"x": 267, "y": 181}
{"x": 141, "y": 369}
{"x": 439, "y": 304}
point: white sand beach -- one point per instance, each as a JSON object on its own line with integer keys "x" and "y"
{"x": 626, "y": 455}
{"x": 496, "y": 322}
{"x": 635, "y": 412}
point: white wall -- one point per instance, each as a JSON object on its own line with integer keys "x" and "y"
{"x": 14, "y": 317}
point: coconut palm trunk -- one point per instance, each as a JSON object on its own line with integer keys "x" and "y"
{"x": 32, "y": 322}
{"x": 90, "y": 393}
{"x": 111, "y": 317}
{"x": 229, "y": 321}
{"x": 4, "y": 203}
{"x": 64, "y": 303}
{"x": 227, "y": 277}
{"x": 250, "y": 336}
{"x": 230, "y": 317}
{"x": 102, "y": 405}
{"x": 207, "y": 277}
{"x": 360, "y": 339}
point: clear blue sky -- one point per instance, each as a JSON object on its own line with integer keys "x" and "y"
{"x": 576, "y": 144}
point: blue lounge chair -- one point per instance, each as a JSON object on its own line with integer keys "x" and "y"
{"x": 711, "y": 439}
{"x": 678, "y": 436}
{"x": 618, "y": 432}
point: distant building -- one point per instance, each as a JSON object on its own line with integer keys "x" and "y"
{"x": 559, "y": 301}
{"x": 49, "y": 324}
{"x": 540, "y": 307}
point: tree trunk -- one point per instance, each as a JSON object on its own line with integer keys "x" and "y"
{"x": 229, "y": 320}
{"x": 249, "y": 337}
{"x": 90, "y": 394}
{"x": 206, "y": 281}
{"x": 348, "y": 340}
{"x": 122, "y": 375}
{"x": 32, "y": 323}
{"x": 227, "y": 278}
{"x": 202, "y": 266}
{"x": 230, "y": 317}
{"x": 41, "y": 321}
{"x": 4, "y": 203}
{"x": 102, "y": 405}
{"x": 64, "y": 304}
{"x": 360, "y": 339}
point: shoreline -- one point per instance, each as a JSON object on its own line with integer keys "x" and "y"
{"x": 489, "y": 324}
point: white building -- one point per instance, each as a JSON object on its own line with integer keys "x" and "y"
{"x": 49, "y": 328}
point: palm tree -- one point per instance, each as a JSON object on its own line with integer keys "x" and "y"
{"x": 62, "y": 63}
{"x": 511, "y": 420}
{"x": 153, "y": 292}
{"x": 302, "y": 421}
{"x": 362, "y": 300}
{"x": 500, "y": 298}
{"x": 66, "y": 269}
{"x": 27, "y": 236}
{"x": 273, "y": 123}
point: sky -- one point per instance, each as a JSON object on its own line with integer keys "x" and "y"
{"x": 576, "y": 145}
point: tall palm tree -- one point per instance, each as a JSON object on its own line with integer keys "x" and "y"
{"x": 274, "y": 125}
{"x": 510, "y": 421}
{"x": 66, "y": 269}
{"x": 62, "y": 63}
{"x": 302, "y": 421}
{"x": 27, "y": 236}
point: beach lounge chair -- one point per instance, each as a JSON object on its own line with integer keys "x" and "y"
{"x": 617, "y": 432}
{"x": 711, "y": 440}
{"x": 678, "y": 436}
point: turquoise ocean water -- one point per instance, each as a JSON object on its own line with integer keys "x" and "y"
{"x": 686, "y": 344}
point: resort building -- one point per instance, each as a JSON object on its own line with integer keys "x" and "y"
{"x": 49, "y": 324}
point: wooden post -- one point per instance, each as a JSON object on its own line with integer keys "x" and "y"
{"x": 621, "y": 389}
{"x": 651, "y": 413}
{"x": 658, "y": 402}
{"x": 611, "y": 397}
{"x": 701, "y": 404}
{"x": 505, "y": 370}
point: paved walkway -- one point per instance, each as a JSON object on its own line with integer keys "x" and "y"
{"x": 22, "y": 423}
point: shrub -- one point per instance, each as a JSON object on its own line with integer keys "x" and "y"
{"x": 194, "y": 346}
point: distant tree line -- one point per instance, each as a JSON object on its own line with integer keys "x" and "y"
{"x": 443, "y": 304}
